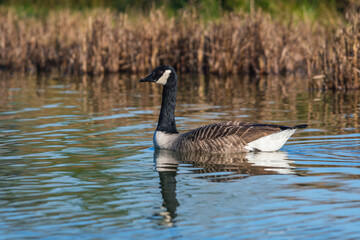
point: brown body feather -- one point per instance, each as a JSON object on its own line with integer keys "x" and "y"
{"x": 229, "y": 136}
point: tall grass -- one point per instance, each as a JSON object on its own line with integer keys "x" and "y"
{"x": 102, "y": 41}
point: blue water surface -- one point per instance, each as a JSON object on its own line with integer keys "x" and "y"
{"x": 77, "y": 162}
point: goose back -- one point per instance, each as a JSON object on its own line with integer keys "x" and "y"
{"x": 229, "y": 136}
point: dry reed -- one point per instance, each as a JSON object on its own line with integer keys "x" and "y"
{"x": 102, "y": 41}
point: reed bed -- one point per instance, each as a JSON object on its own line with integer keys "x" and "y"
{"x": 102, "y": 41}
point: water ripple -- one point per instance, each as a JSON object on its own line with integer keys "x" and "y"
{"x": 76, "y": 162}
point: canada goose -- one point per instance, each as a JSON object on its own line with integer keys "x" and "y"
{"x": 222, "y": 137}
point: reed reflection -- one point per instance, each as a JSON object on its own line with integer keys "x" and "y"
{"x": 227, "y": 167}
{"x": 262, "y": 99}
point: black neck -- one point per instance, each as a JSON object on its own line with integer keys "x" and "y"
{"x": 167, "y": 113}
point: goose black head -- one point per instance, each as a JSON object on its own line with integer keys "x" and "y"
{"x": 164, "y": 75}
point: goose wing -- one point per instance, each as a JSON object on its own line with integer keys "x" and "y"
{"x": 248, "y": 132}
{"x": 227, "y": 136}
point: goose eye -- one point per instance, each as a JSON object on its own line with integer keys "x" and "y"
{"x": 160, "y": 72}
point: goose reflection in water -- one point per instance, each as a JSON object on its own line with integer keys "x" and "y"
{"x": 225, "y": 167}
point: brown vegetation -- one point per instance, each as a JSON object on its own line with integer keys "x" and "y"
{"x": 102, "y": 41}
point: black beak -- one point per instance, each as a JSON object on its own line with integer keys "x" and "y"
{"x": 147, "y": 79}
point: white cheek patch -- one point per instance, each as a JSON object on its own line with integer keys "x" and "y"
{"x": 164, "y": 78}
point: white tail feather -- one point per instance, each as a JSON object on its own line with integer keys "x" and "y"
{"x": 272, "y": 142}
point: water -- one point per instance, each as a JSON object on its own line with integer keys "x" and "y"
{"x": 77, "y": 162}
